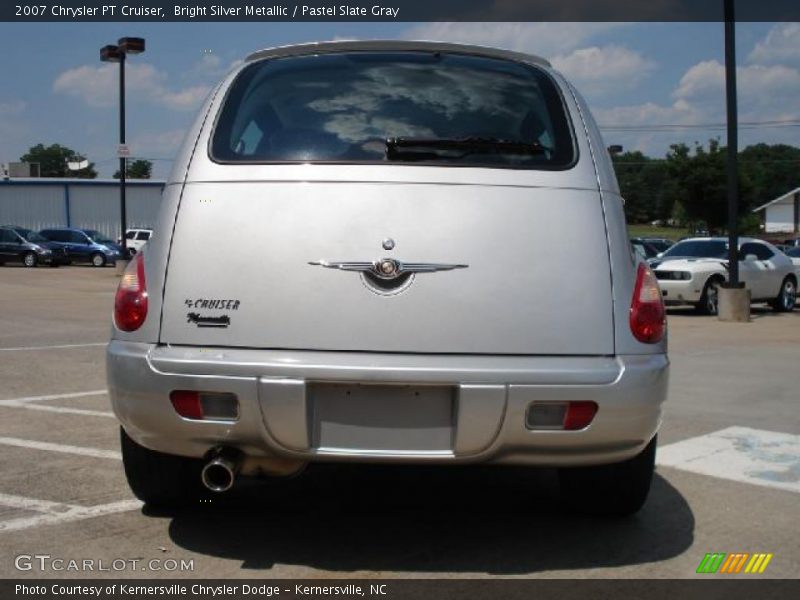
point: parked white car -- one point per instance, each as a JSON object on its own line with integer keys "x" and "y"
{"x": 794, "y": 254}
{"x": 691, "y": 271}
{"x": 136, "y": 238}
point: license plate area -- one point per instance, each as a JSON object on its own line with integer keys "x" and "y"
{"x": 381, "y": 418}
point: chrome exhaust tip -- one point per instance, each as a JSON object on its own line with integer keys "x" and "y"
{"x": 219, "y": 473}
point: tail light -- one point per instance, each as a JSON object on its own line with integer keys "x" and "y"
{"x": 579, "y": 415}
{"x": 648, "y": 318}
{"x": 130, "y": 303}
{"x": 187, "y": 404}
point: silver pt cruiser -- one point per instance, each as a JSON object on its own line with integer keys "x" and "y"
{"x": 396, "y": 280}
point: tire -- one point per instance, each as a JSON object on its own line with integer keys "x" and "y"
{"x": 709, "y": 299}
{"x": 98, "y": 260}
{"x": 786, "y": 298}
{"x": 615, "y": 490}
{"x": 30, "y": 259}
{"x": 158, "y": 479}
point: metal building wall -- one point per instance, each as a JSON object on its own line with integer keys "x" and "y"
{"x": 34, "y": 207}
{"x": 143, "y": 204}
{"x": 95, "y": 208}
{"x": 89, "y": 204}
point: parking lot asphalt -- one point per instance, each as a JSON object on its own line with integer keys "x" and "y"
{"x": 728, "y": 478}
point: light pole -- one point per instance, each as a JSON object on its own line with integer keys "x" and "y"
{"x": 733, "y": 143}
{"x": 118, "y": 53}
{"x": 733, "y": 299}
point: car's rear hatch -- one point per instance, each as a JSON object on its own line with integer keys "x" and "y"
{"x": 537, "y": 277}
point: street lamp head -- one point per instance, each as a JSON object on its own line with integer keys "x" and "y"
{"x": 131, "y": 45}
{"x": 110, "y": 54}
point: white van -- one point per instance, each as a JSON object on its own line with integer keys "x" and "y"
{"x": 136, "y": 238}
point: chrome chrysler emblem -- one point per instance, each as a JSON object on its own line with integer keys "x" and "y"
{"x": 388, "y": 244}
{"x": 388, "y": 268}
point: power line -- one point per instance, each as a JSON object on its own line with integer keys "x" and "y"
{"x": 132, "y": 159}
{"x": 701, "y": 126}
{"x": 741, "y": 162}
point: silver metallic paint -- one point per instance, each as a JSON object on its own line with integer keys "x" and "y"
{"x": 496, "y": 378}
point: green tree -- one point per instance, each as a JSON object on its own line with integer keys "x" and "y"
{"x": 53, "y": 161}
{"x": 138, "y": 169}
{"x": 646, "y": 185}
{"x": 772, "y": 169}
{"x": 701, "y": 180}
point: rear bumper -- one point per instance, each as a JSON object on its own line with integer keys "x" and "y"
{"x": 491, "y": 396}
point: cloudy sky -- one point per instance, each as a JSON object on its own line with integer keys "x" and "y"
{"x": 649, "y": 84}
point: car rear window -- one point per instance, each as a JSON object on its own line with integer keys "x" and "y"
{"x": 445, "y": 108}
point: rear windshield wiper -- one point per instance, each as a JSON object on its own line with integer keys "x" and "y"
{"x": 403, "y": 148}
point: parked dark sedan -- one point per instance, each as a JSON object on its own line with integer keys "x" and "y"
{"x": 85, "y": 245}
{"x": 644, "y": 248}
{"x": 660, "y": 244}
{"x": 18, "y": 244}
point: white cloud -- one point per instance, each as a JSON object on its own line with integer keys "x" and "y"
{"x": 760, "y": 88}
{"x": 701, "y": 79}
{"x": 160, "y": 144}
{"x": 600, "y": 70}
{"x": 650, "y": 113}
{"x": 210, "y": 68}
{"x": 544, "y": 39}
{"x": 782, "y": 45}
{"x": 98, "y": 86}
{"x": 210, "y": 63}
{"x": 594, "y": 69}
{"x": 765, "y": 93}
{"x": 14, "y": 107}
{"x": 186, "y": 99}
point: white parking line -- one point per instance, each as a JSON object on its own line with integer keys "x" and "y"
{"x": 30, "y": 404}
{"x": 63, "y": 448}
{"x": 64, "y": 410}
{"x": 17, "y": 401}
{"x": 67, "y": 513}
{"x": 33, "y": 504}
{"x": 56, "y": 409}
{"x": 754, "y": 456}
{"x": 58, "y": 347}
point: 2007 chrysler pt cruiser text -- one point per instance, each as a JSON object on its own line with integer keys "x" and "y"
{"x": 401, "y": 284}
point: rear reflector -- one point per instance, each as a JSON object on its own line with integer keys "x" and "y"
{"x": 187, "y": 404}
{"x": 568, "y": 416}
{"x": 209, "y": 406}
{"x": 647, "y": 316}
{"x": 579, "y": 415}
{"x": 130, "y": 303}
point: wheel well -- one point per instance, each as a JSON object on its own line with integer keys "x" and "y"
{"x": 792, "y": 278}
